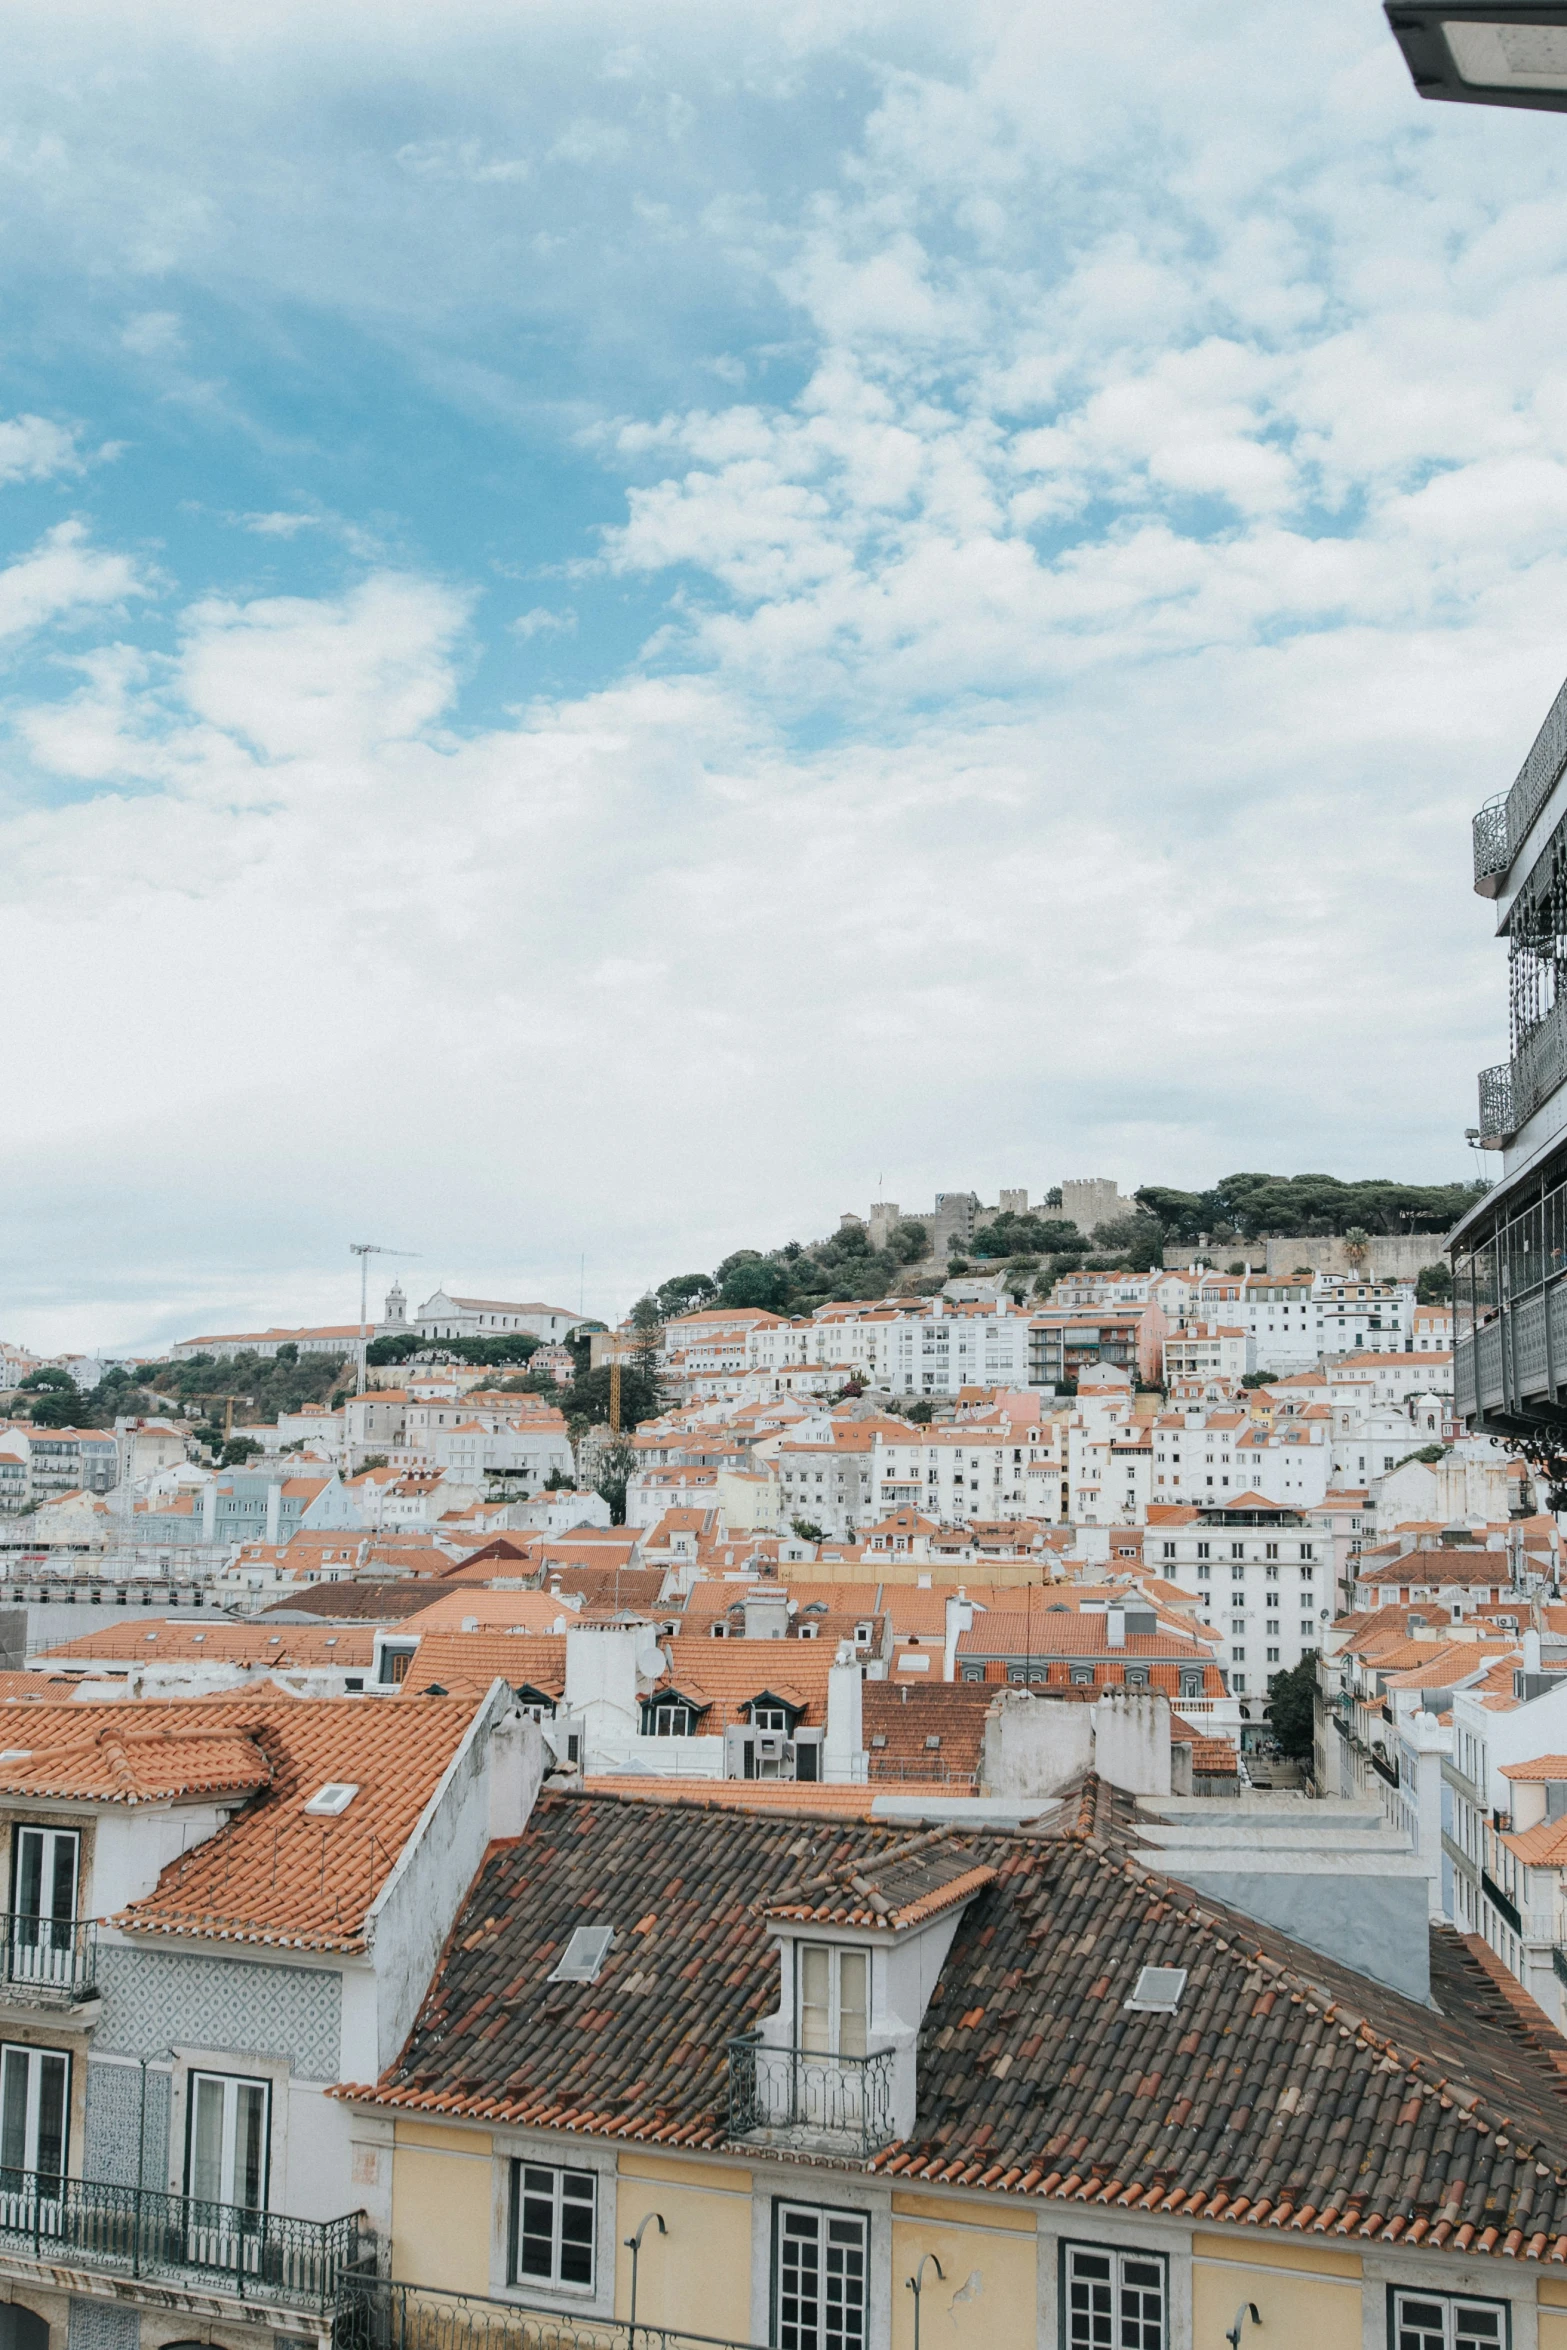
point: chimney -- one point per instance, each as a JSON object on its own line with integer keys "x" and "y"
{"x": 1531, "y": 1652}
{"x": 844, "y": 1760}
{"x": 1115, "y": 1627}
{"x": 274, "y": 1511}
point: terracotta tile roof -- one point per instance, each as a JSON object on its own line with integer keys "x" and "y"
{"x": 907, "y": 1886}
{"x": 788, "y": 1795}
{"x": 114, "y": 1755}
{"x": 469, "y": 1661}
{"x": 294, "y": 1646}
{"x": 900, "y": 1720}
{"x": 1285, "y": 2091}
{"x": 1059, "y": 1630}
{"x": 279, "y": 1875}
{"x": 1547, "y": 1766}
{"x": 353, "y": 1602}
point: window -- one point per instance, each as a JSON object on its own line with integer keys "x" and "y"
{"x": 44, "y": 1870}
{"x": 819, "y": 2278}
{"x": 35, "y": 2085}
{"x": 1445, "y": 2321}
{"x": 833, "y": 1996}
{"x": 667, "y": 1721}
{"x": 1204, "y": 1550}
{"x": 1166, "y": 1549}
{"x": 1205, "y": 1574}
{"x": 226, "y": 2141}
{"x": 1114, "y": 2300}
{"x": 553, "y": 2215}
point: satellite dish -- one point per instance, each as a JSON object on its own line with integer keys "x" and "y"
{"x": 650, "y": 1661}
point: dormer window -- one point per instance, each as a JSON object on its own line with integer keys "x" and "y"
{"x": 668, "y": 1721}
{"x": 834, "y": 1997}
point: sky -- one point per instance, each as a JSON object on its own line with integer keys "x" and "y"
{"x": 625, "y": 629}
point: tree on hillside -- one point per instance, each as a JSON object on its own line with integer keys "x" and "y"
{"x": 1135, "y": 1241}
{"x": 751, "y": 1281}
{"x": 616, "y": 1464}
{"x": 1434, "y": 1283}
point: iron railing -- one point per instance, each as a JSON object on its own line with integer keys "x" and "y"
{"x": 55, "y": 1959}
{"x": 1496, "y": 1102}
{"x": 1384, "y": 1769}
{"x": 179, "y": 2239}
{"x": 1492, "y": 855}
{"x": 374, "y": 2313}
{"x": 1559, "y": 1962}
{"x": 1502, "y": 825}
{"x": 795, "y": 2097}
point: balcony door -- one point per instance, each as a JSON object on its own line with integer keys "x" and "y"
{"x": 45, "y": 1874}
{"x": 226, "y": 2161}
{"x": 834, "y": 2025}
{"x": 35, "y": 2107}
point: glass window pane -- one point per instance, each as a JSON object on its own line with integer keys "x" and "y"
{"x": 206, "y": 2139}
{"x": 30, "y": 1872}
{"x": 13, "y": 2110}
{"x": 854, "y": 2001}
{"x": 50, "y": 2164}
{"x": 250, "y": 2159}
{"x": 815, "y": 1996}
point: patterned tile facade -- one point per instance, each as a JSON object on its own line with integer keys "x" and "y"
{"x": 123, "y": 2104}
{"x": 103, "y": 2325}
{"x": 150, "y": 1997}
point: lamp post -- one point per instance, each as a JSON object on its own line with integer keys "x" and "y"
{"x": 915, "y": 2284}
{"x": 1485, "y": 52}
{"x": 634, "y": 2247}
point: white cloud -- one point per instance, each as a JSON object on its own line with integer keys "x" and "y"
{"x": 1116, "y": 539}
{"x": 280, "y": 525}
{"x": 153, "y": 334}
{"x": 63, "y": 576}
{"x": 32, "y": 448}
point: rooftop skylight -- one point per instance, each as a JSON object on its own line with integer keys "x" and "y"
{"x": 583, "y": 1955}
{"x": 1158, "y": 1990}
{"x": 330, "y": 1801}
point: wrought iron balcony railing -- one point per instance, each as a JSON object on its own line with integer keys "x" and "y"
{"x": 375, "y": 2314}
{"x": 795, "y": 2097}
{"x": 1497, "y": 1123}
{"x": 1492, "y": 855}
{"x": 179, "y": 2239}
{"x": 50, "y": 1959}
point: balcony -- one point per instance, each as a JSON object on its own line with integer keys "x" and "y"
{"x": 1497, "y": 1123}
{"x": 260, "y": 2256}
{"x": 1383, "y": 1768}
{"x": 811, "y": 2103}
{"x": 49, "y": 1962}
{"x": 1492, "y": 855}
{"x": 375, "y": 2314}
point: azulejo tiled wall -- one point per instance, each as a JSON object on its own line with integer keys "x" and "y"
{"x": 153, "y": 1997}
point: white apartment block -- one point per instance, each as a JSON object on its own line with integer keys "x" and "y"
{"x": 1209, "y": 1350}
{"x": 1263, "y": 1579}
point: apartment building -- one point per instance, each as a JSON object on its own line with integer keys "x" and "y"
{"x": 217, "y": 1912}
{"x": 1262, "y": 1579}
{"x": 819, "y": 2091}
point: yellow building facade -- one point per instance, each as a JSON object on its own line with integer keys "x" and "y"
{"x": 998, "y": 2272}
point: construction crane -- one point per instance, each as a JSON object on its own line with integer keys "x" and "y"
{"x": 364, "y": 1250}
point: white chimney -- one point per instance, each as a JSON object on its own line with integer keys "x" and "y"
{"x": 1115, "y": 1627}
{"x": 1531, "y": 1652}
{"x": 844, "y": 1761}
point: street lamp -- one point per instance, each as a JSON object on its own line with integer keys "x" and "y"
{"x": 915, "y": 2285}
{"x": 634, "y": 2247}
{"x": 1480, "y": 53}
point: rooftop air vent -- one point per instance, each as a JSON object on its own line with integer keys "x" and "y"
{"x": 330, "y": 1801}
{"x": 1158, "y": 1990}
{"x": 583, "y": 1955}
